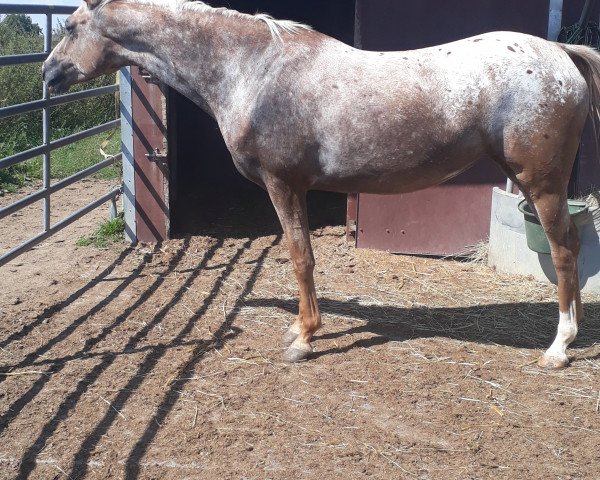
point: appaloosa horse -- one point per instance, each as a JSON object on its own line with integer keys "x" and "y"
{"x": 299, "y": 110}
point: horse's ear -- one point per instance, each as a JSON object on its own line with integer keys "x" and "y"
{"x": 92, "y": 3}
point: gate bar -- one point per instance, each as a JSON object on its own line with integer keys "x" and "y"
{"x": 44, "y": 104}
{"x": 15, "y": 252}
{"x": 58, "y": 100}
{"x": 61, "y": 142}
{"x": 65, "y": 182}
{"x": 46, "y": 127}
{"x": 41, "y": 9}
{"x": 10, "y": 60}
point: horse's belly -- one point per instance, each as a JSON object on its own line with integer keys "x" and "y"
{"x": 397, "y": 181}
{"x": 390, "y": 169}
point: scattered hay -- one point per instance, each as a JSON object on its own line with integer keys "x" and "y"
{"x": 477, "y": 254}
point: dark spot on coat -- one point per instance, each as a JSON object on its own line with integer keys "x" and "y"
{"x": 511, "y": 48}
{"x": 381, "y": 54}
{"x": 560, "y": 83}
{"x": 405, "y": 58}
{"x": 478, "y": 40}
{"x": 336, "y": 87}
{"x": 448, "y": 53}
{"x": 470, "y": 102}
{"x": 546, "y": 136}
{"x": 529, "y": 72}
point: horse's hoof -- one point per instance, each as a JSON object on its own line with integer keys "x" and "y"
{"x": 295, "y": 355}
{"x": 290, "y": 336}
{"x": 553, "y": 362}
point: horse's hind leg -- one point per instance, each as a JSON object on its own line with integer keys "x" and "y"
{"x": 290, "y": 205}
{"x": 564, "y": 244}
{"x": 543, "y": 178}
{"x": 538, "y": 151}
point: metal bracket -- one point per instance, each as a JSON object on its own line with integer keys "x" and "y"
{"x": 351, "y": 226}
{"x": 147, "y": 76}
{"x": 157, "y": 156}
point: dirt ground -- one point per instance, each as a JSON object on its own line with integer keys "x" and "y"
{"x": 165, "y": 363}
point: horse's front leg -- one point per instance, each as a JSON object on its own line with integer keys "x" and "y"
{"x": 290, "y": 204}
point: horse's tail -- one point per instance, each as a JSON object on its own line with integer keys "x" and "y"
{"x": 587, "y": 61}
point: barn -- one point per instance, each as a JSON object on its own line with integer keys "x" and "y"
{"x": 179, "y": 178}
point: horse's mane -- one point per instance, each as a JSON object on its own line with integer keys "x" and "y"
{"x": 276, "y": 27}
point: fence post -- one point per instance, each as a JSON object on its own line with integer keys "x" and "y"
{"x": 46, "y": 128}
{"x": 128, "y": 160}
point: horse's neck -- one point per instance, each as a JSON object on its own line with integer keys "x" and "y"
{"x": 207, "y": 62}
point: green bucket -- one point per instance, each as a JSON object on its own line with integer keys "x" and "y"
{"x": 536, "y": 237}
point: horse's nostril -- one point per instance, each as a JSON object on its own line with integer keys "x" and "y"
{"x": 45, "y": 70}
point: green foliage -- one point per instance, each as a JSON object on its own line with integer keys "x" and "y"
{"x": 23, "y": 83}
{"x": 111, "y": 231}
{"x": 21, "y": 24}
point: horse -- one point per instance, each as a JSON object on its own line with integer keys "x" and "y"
{"x": 299, "y": 110}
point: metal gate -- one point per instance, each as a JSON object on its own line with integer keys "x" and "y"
{"x": 45, "y": 104}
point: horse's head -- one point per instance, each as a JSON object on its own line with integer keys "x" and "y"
{"x": 85, "y": 52}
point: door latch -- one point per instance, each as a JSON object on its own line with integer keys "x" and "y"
{"x": 147, "y": 76}
{"x": 157, "y": 156}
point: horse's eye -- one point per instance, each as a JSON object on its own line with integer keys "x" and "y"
{"x": 69, "y": 27}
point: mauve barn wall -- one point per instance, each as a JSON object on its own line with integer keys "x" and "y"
{"x": 444, "y": 219}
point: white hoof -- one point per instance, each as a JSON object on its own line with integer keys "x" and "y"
{"x": 553, "y": 361}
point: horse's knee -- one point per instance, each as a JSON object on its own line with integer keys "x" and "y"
{"x": 304, "y": 265}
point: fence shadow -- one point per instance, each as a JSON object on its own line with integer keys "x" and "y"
{"x": 224, "y": 333}
{"x": 17, "y": 406}
{"x": 154, "y": 353}
{"x": 54, "y": 309}
{"x": 68, "y": 404}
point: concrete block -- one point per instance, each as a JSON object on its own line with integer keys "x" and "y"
{"x": 508, "y": 250}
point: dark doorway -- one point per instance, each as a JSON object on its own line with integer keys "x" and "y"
{"x": 207, "y": 194}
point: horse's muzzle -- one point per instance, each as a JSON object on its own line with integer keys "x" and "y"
{"x": 55, "y": 77}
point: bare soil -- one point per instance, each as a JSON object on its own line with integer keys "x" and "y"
{"x": 165, "y": 363}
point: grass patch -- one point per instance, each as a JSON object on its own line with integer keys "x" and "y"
{"x": 65, "y": 162}
{"x": 75, "y": 157}
{"x": 111, "y": 231}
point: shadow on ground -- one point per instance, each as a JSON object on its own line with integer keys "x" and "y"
{"x": 518, "y": 325}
